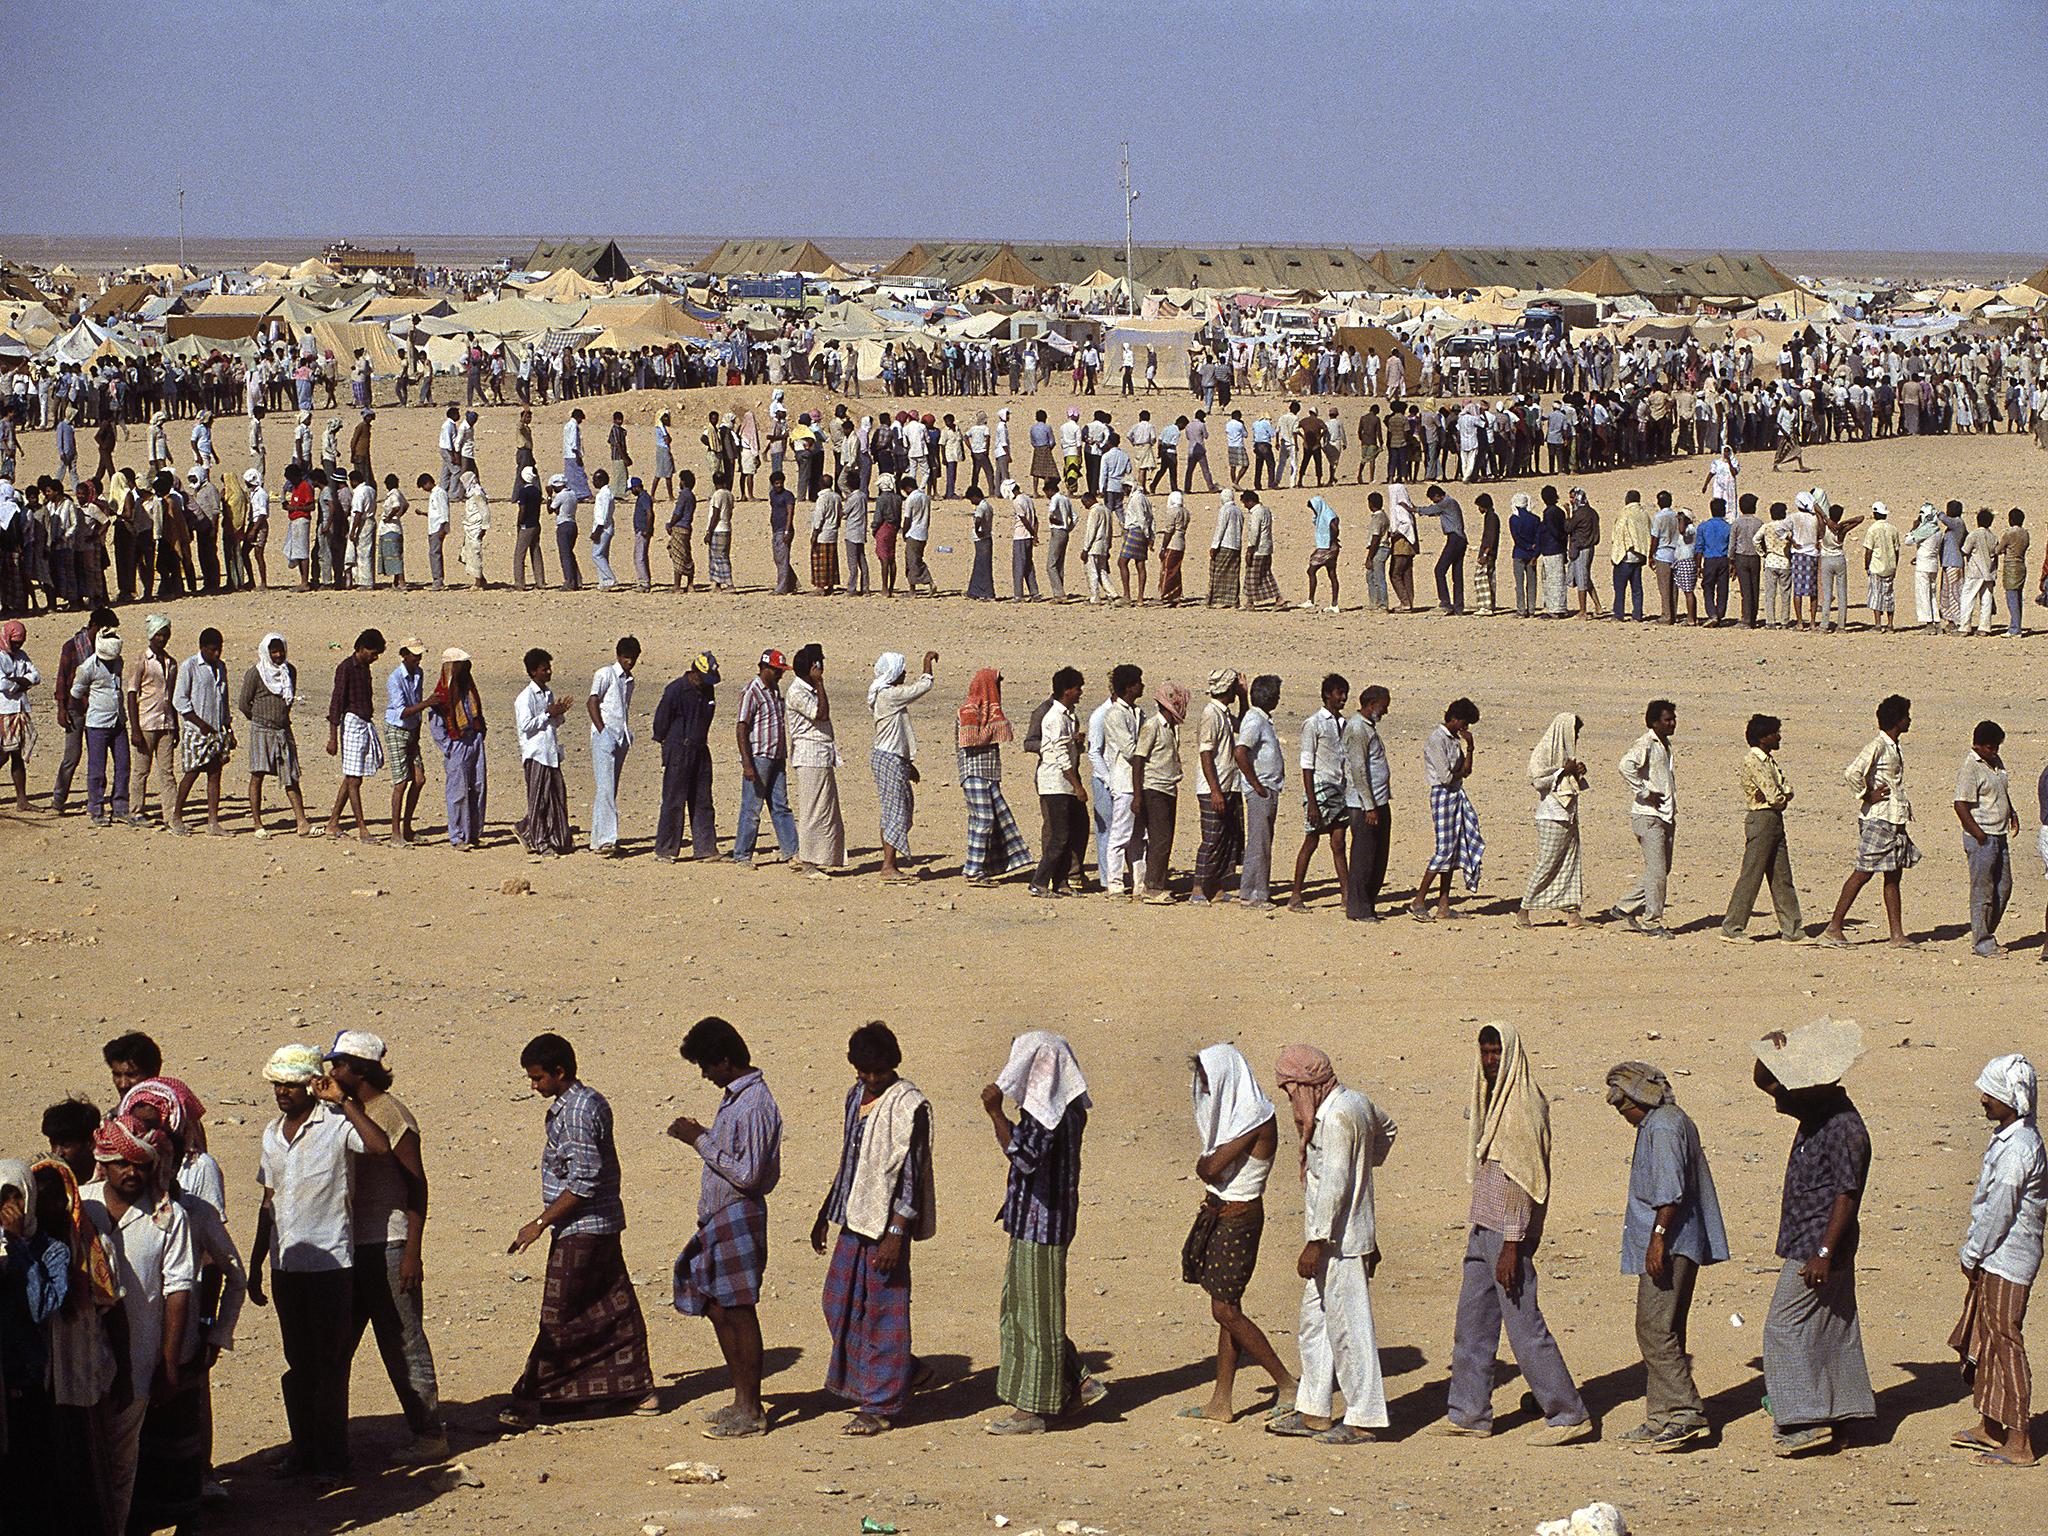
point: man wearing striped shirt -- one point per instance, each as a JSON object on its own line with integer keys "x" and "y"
{"x": 763, "y": 737}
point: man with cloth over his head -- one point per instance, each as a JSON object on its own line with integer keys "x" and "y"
{"x": 1670, "y": 1227}
{"x": 1344, "y": 1136}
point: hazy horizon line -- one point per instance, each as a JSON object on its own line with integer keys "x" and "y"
{"x": 706, "y": 237}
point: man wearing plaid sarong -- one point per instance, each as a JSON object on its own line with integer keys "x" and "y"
{"x": 719, "y": 1274}
{"x": 1447, "y": 763}
{"x": 352, "y": 730}
{"x": 881, "y": 1199}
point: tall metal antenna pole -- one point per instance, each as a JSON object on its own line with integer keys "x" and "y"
{"x": 181, "y": 226}
{"x": 1130, "y": 199}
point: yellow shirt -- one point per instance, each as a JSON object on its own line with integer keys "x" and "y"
{"x": 1764, "y": 787}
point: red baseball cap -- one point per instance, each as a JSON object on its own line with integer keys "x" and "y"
{"x": 774, "y": 658}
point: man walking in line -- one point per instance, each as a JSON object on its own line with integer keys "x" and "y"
{"x": 610, "y": 705}
{"x": 719, "y": 1274}
{"x": 591, "y": 1350}
{"x": 1509, "y": 1166}
{"x": 1984, "y": 806}
{"x": 1369, "y": 795}
{"x": 763, "y": 735}
{"x": 1814, "y": 1372}
{"x": 305, "y": 1229}
{"x": 1765, "y": 854}
{"x": 388, "y": 1215}
{"x": 1344, "y": 1137}
{"x": 1646, "y": 769}
{"x": 1883, "y": 846}
{"x": 1670, "y": 1229}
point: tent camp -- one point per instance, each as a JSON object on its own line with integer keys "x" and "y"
{"x": 563, "y": 285}
{"x": 601, "y": 260}
{"x": 342, "y": 339}
{"x": 756, "y": 257}
{"x": 121, "y": 299}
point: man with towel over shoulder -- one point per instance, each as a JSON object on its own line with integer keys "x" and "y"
{"x": 881, "y": 1200}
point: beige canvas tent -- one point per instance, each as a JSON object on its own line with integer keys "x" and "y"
{"x": 563, "y": 285}
{"x": 601, "y": 260}
{"x": 342, "y": 338}
{"x": 753, "y": 257}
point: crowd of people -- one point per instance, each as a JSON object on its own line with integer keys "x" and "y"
{"x": 1115, "y": 773}
{"x": 121, "y": 1284}
{"x": 838, "y": 486}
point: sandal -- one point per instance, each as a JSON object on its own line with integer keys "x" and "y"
{"x": 1999, "y": 1459}
{"x": 517, "y": 1420}
{"x": 863, "y": 1426}
{"x": 1292, "y": 1425}
{"x": 1345, "y": 1434}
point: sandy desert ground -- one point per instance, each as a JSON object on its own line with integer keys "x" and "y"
{"x": 226, "y": 948}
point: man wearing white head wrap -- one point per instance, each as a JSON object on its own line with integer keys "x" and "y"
{"x": 1041, "y": 1374}
{"x": 893, "y": 759}
{"x": 2000, "y": 1257}
{"x": 1240, "y": 1135}
{"x": 1881, "y": 547}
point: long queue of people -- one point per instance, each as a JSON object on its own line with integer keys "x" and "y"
{"x": 122, "y": 1285}
{"x": 849, "y": 487}
{"x": 1115, "y": 775}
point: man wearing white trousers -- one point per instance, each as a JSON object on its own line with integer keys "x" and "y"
{"x": 1123, "y": 848}
{"x": 611, "y": 737}
{"x": 1344, "y": 1137}
{"x": 1653, "y": 816}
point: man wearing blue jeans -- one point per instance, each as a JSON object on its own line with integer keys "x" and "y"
{"x": 764, "y": 762}
{"x": 611, "y": 737}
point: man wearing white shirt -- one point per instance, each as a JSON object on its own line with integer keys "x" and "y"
{"x": 917, "y": 534}
{"x": 437, "y": 527}
{"x": 305, "y": 1229}
{"x": 1095, "y": 743}
{"x": 573, "y": 474}
{"x": 1123, "y": 853}
{"x": 1264, "y": 766}
{"x": 451, "y": 457}
{"x": 1326, "y": 799}
{"x": 1368, "y": 794}
{"x": 1344, "y": 1137}
{"x": 601, "y": 530}
{"x": 1226, "y": 553}
{"x": 537, "y": 716}
{"x": 2001, "y": 1255}
{"x": 1646, "y": 769}
{"x": 156, "y": 1269}
{"x": 611, "y": 736}
{"x": 362, "y": 528}
{"x": 563, "y": 500}
{"x": 1060, "y": 796}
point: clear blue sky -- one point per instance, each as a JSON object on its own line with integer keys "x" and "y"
{"x": 1596, "y": 122}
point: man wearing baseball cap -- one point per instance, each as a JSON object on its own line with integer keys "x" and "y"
{"x": 764, "y": 761}
{"x": 682, "y": 724}
{"x": 388, "y": 1214}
